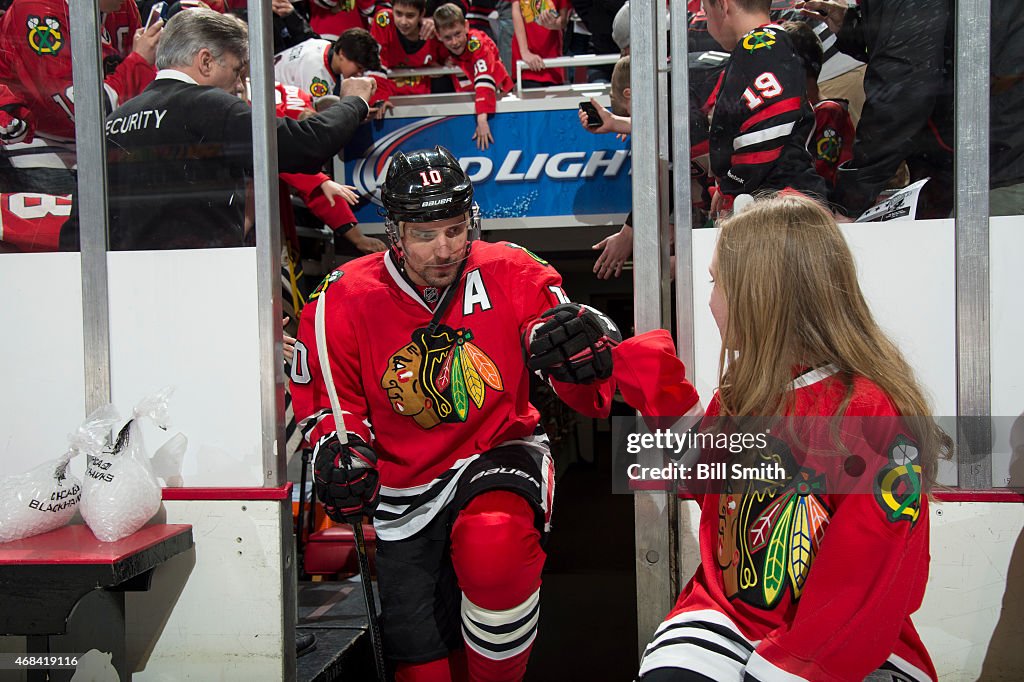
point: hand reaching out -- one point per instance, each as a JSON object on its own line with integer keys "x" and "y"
{"x": 615, "y": 251}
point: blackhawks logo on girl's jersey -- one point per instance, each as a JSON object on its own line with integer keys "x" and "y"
{"x": 437, "y": 376}
{"x": 770, "y": 531}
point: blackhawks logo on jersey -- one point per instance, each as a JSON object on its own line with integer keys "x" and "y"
{"x": 45, "y": 36}
{"x": 438, "y": 376}
{"x": 829, "y": 146}
{"x": 531, "y": 254}
{"x": 758, "y": 38}
{"x": 769, "y": 530}
{"x": 383, "y": 19}
{"x": 319, "y": 87}
{"x": 327, "y": 281}
{"x": 474, "y": 44}
{"x": 898, "y": 484}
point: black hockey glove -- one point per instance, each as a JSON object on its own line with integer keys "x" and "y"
{"x": 346, "y": 478}
{"x": 573, "y": 344}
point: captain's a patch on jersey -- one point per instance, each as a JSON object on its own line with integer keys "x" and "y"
{"x": 531, "y": 254}
{"x": 327, "y": 281}
{"x": 759, "y": 38}
{"x": 319, "y": 88}
{"x": 898, "y": 485}
{"x": 45, "y": 35}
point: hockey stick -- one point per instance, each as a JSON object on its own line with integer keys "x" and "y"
{"x": 357, "y": 525}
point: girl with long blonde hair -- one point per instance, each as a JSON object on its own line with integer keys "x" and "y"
{"x": 814, "y": 546}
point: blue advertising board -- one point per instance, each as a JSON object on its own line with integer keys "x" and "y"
{"x": 543, "y": 168}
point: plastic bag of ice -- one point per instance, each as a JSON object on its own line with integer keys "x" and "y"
{"x": 120, "y": 492}
{"x": 46, "y": 497}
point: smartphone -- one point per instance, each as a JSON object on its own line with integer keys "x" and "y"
{"x": 155, "y": 13}
{"x": 593, "y": 118}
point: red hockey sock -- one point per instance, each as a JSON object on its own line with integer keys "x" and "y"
{"x": 451, "y": 669}
{"x": 498, "y": 560}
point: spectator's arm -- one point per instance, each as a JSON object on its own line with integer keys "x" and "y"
{"x": 304, "y": 145}
{"x": 533, "y": 62}
{"x": 903, "y": 78}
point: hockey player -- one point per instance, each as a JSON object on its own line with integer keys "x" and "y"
{"x": 319, "y": 66}
{"x": 37, "y": 101}
{"x": 428, "y": 345}
{"x": 762, "y": 118}
{"x": 477, "y": 56}
{"x": 397, "y": 30}
{"x": 812, "y": 570}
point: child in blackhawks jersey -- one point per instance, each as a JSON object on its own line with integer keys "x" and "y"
{"x": 762, "y": 118}
{"x": 810, "y": 570}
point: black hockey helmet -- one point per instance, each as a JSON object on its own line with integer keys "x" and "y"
{"x": 424, "y": 186}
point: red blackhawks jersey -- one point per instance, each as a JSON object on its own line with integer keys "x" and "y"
{"x": 35, "y": 63}
{"x": 330, "y": 18}
{"x": 426, "y": 400}
{"x": 762, "y": 119}
{"x": 542, "y": 42}
{"x": 395, "y": 54}
{"x": 32, "y": 222}
{"x": 811, "y": 569}
{"x": 482, "y": 71}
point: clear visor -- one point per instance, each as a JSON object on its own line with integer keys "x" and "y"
{"x": 424, "y": 233}
{"x": 438, "y": 235}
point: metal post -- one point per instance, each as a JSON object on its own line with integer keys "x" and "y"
{"x": 92, "y": 199}
{"x": 653, "y": 581}
{"x": 681, "y": 191}
{"x": 268, "y": 239}
{"x": 268, "y": 289}
{"x": 974, "y": 397}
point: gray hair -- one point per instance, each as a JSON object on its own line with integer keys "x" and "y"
{"x": 190, "y": 31}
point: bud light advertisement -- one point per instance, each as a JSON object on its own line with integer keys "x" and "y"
{"x": 542, "y": 166}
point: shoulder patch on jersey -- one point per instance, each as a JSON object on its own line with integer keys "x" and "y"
{"x": 474, "y": 44}
{"x": 382, "y": 19}
{"x": 45, "y": 36}
{"x": 531, "y": 254}
{"x": 319, "y": 88}
{"x": 829, "y": 145}
{"x": 898, "y": 486}
{"x": 330, "y": 279}
{"x": 758, "y": 38}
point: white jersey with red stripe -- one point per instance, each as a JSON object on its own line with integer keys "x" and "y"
{"x": 308, "y": 66}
